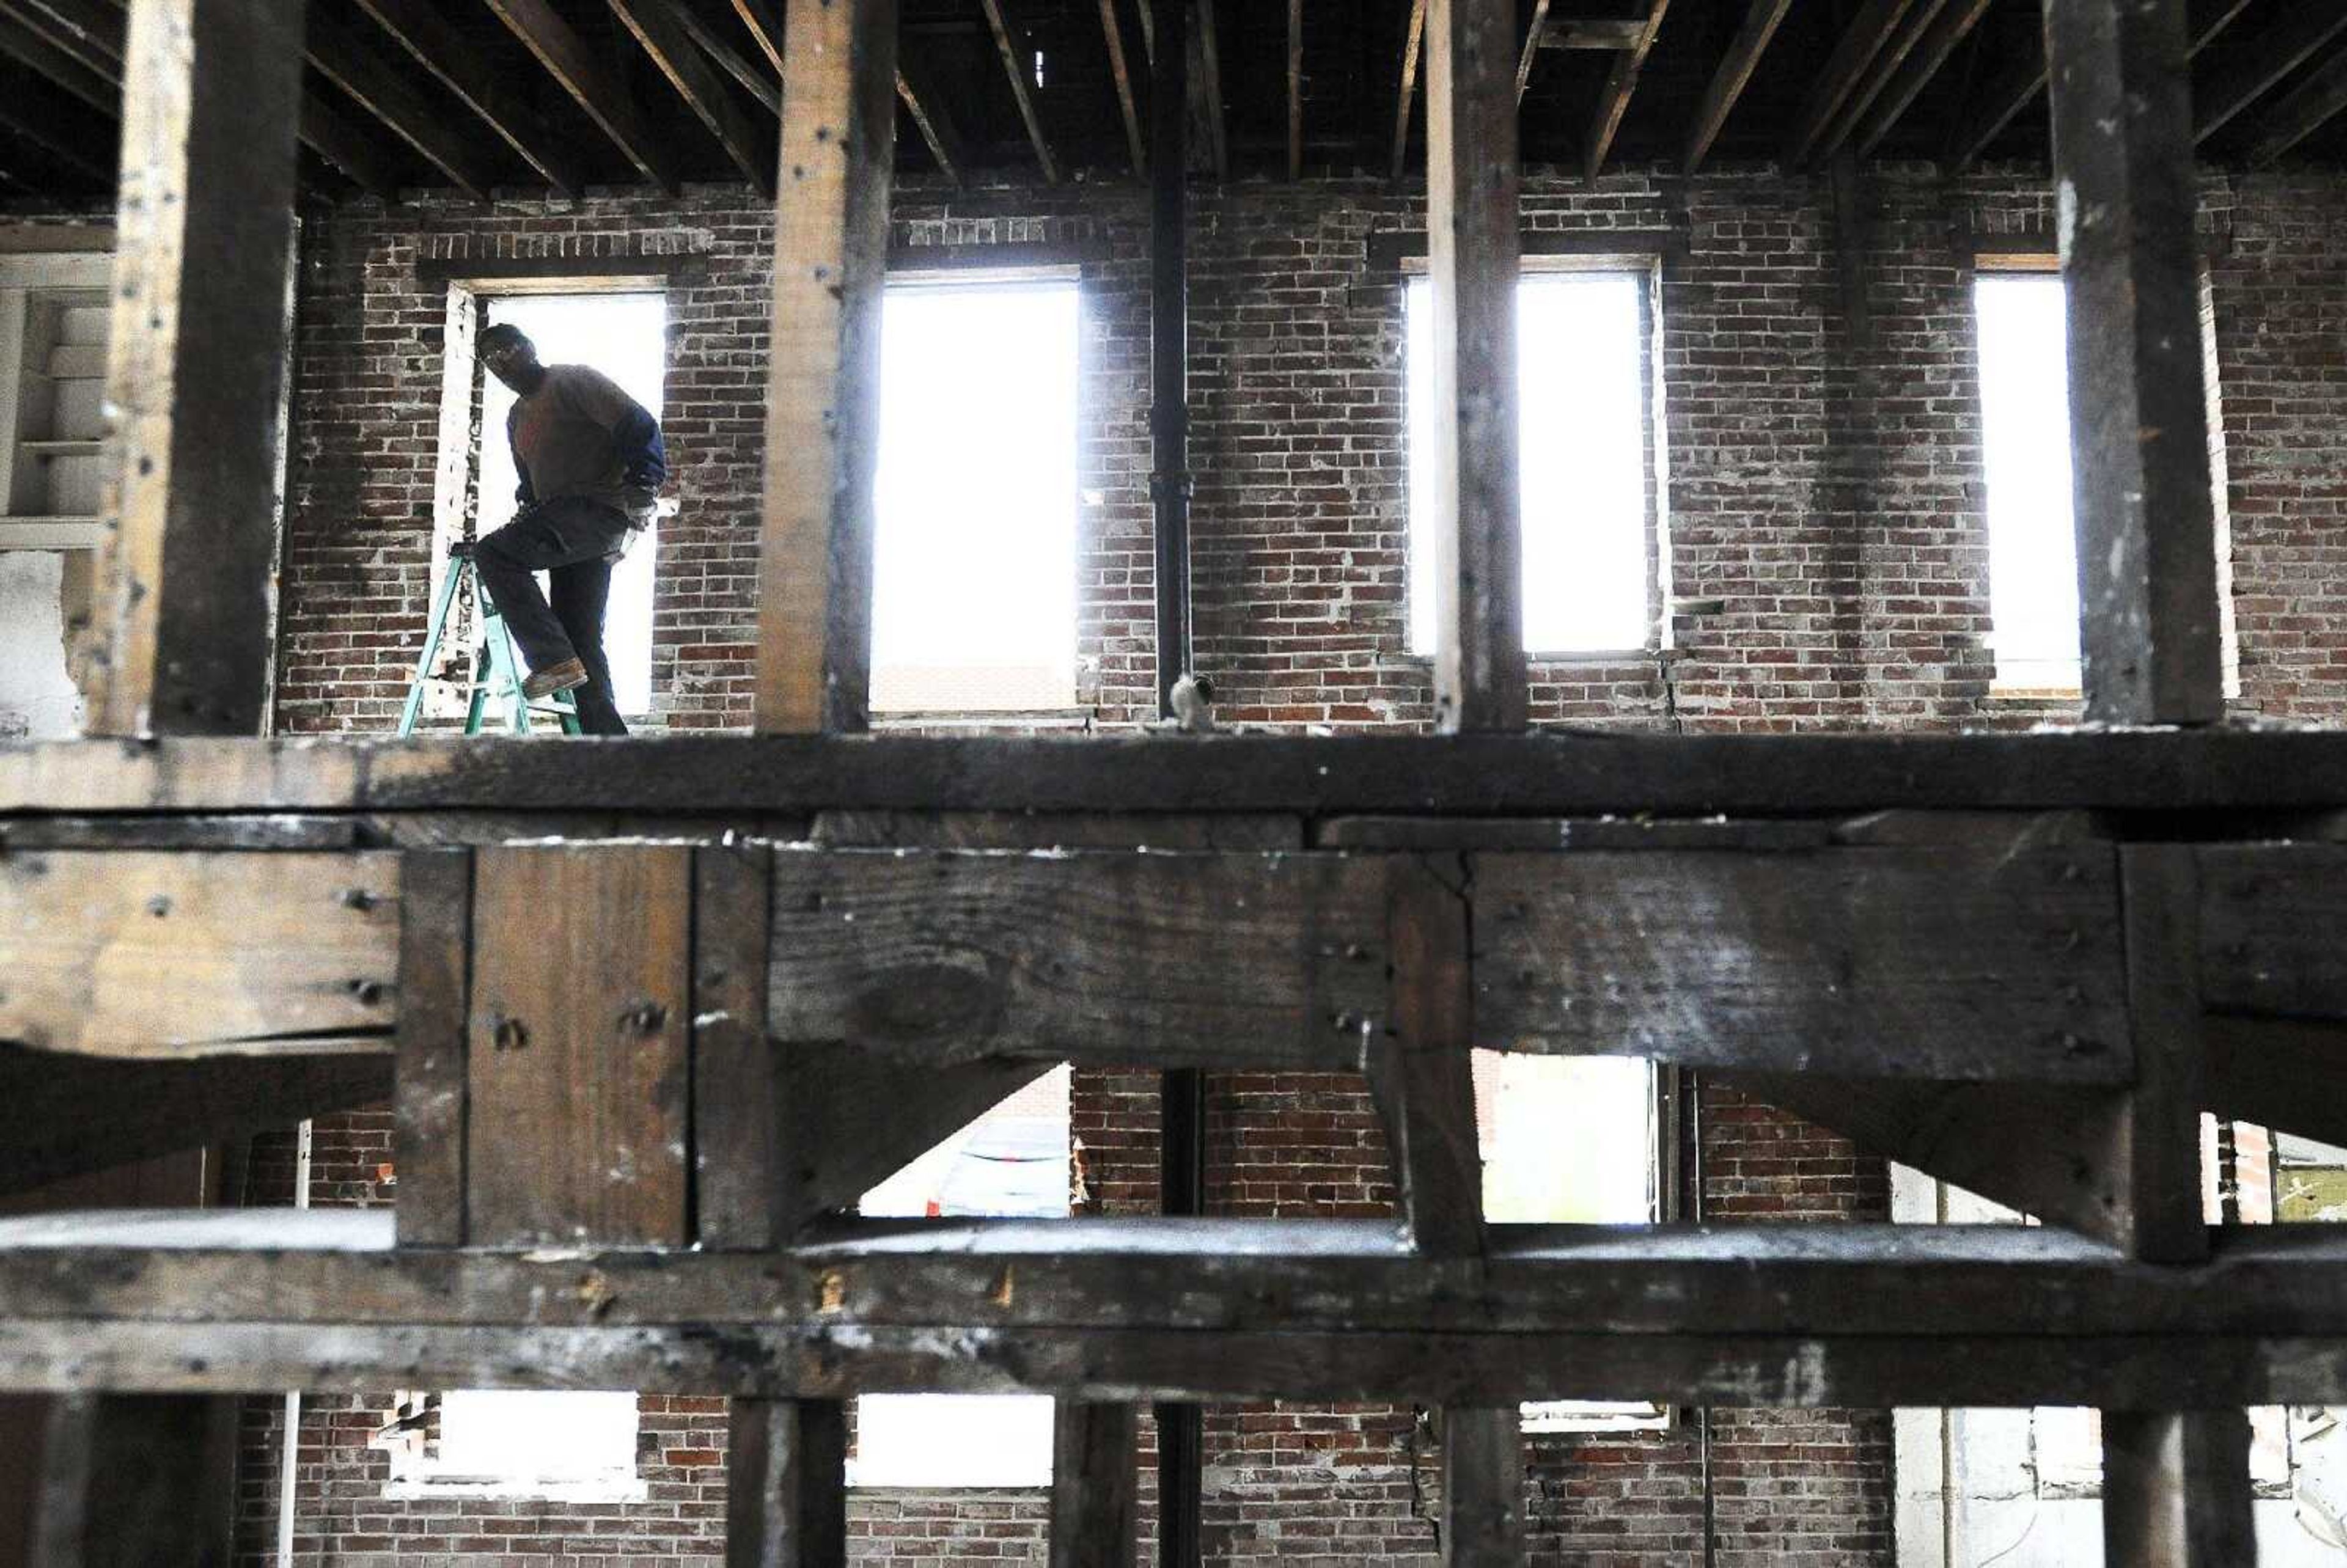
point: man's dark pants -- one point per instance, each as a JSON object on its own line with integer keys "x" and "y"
{"x": 574, "y": 541}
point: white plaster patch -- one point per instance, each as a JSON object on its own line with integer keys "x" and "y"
{"x": 38, "y": 699}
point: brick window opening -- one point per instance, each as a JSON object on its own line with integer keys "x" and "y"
{"x": 1590, "y": 483}
{"x": 562, "y": 1447}
{"x": 1011, "y": 1161}
{"x": 625, "y": 336}
{"x": 1573, "y": 1140}
{"x": 2033, "y": 548}
{"x": 974, "y": 595}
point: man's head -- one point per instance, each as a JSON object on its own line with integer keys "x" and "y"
{"x": 509, "y": 356}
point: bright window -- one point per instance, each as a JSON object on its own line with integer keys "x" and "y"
{"x": 974, "y": 599}
{"x": 624, "y": 336}
{"x": 1589, "y": 542}
{"x": 2032, "y": 549}
{"x": 563, "y": 1447}
{"x": 1572, "y": 1140}
{"x": 1012, "y": 1161}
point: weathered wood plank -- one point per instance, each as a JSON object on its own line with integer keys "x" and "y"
{"x": 1620, "y": 81}
{"x": 2139, "y": 411}
{"x": 2270, "y": 918}
{"x": 1413, "y": 51}
{"x": 1551, "y": 832}
{"x": 2203, "y": 770}
{"x": 1423, "y": 1072}
{"x": 576, "y": 1045}
{"x": 1114, "y": 31}
{"x": 1095, "y": 1484}
{"x": 1482, "y": 1487}
{"x": 156, "y": 954}
{"x": 1859, "y": 963}
{"x": 202, "y": 299}
{"x": 62, "y": 1115}
{"x": 735, "y": 1155}
{"x": 428, "y": 1127}
{"x": 1053, "y": 830}
{"x": 133, "y": 1480}
{"x": 786, "y": 1484}
{"x": 823, "y": 387}
{"x": 2279, "y": 1073}
{"x": 1472, "y": 240}
{"x": 1018, "y": 68}
{"x": 945, "y": 958}
{"x": 2175, "y": 1490}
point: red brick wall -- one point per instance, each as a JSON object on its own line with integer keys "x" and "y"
{"x": 1823, "y": 487}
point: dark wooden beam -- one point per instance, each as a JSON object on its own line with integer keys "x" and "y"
{"x": 823, "y": 414}
{"x": 2262, "y": 64}
{"x": 1207, "y": 82}
{"x": 1867, "y": 34}
{"x": 1535, "y": 34}
{"x": 203, "y": 299}
{"x": 928, "y": 111}
{"x": 1932, "y": 50}
{"x": 738, "y": 1137}
{"x": 430, "y": 1111}
{"x": 2147, "y": 531}
{"x": 1472, "y": 180}
{"x": 423, "y": 29}
{"x": 786, "y": 1484}
{"x": 1170, "y": 482}
{"x": 1294, "y": 89}
{"x": 1114, "y": 31}
{"x": 2175, "y": 1490}
{"x": 136, "y": 1479}
{"x": 655, "y": 26}
{"x": 2311, "y": 105}
{"x": 1482, "y": 1487}
{"x": 1421, "y": 1067}
{"x": 1018, "y": 68}
{"x": 566, "y": 58}
{"x": 1597, "y": 32}
{"x": 1414, "y": 48}
{"x": 1620, "y": 83}
{"x": 348, "y": 146}
{"x": 1735, "y": 73}
{"x": 1888, "y": 61}
{"x": 90, "y": 30}
{"x": 347, "y": 59}
{"x": 1095, "y": 1485}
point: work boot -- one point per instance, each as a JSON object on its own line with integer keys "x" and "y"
{"x": 555, "y": 677}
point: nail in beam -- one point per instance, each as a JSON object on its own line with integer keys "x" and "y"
{"x": 1471, "y": 186}
{"x": 2124, "y": 189}
{"x": 197, "y": 368}
{"x": 823, "y": 410}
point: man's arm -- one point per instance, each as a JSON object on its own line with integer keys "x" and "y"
{"x": 635, "y": 434}
{"x": 525, "y": 493}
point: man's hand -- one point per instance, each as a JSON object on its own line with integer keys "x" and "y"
{"x": 640, "y": 502}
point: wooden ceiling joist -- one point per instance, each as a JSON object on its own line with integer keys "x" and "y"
{"x": 760, "y": 83}
{"x": 765, "y": 25}
{"x": 1932, "y": 51}
{"x": 1596, "y": 32}
{"x": 22, "y": 40}
{"x": 2265, "y": 61}
{"x": 2313, "y": 104}
{"x": 1535, "y": 34}
{"x": 1114, "y": 31}
{"x": 1735, "y": 74}
{"x": 1206, "y": 84}
{"x": 349, "y": 60}
{"x": 1018, "y": 68}
{"x": 1413, "y": 49}
{"x": 1891, "y": 59}
{"x": 1868, "y": 34}
{"x": 929, "y": 114}
{"x": 423, "y": 29}
{"x": 569, "y": 61}
{"x": 1620, "y": 83}
{"x": 656, "y": 27}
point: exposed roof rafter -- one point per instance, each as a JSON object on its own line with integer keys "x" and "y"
{"x": 349, "y": 60}
{"x": 656, "y": 25}
{"x": 1021, "y": 89}
{"x": 2266, "y": 60}
{"x": 1620, "y": 83}
{"x": 1114, "y": 31}
{"x": 1412, "y": 50}
{"x": 569, "y": 61}
{"x": 1931, "y": 55}
{"x": 422, "y": 29}
{"x": 1735, "y": 74}
{"x": 2313, "y": 104}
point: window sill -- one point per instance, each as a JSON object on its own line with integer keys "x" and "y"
{"x": 596, "y": 1490}
{"x": 983, "y": 719}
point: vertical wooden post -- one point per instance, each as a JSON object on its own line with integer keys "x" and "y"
{"x": 2125, "y": 193}
{"x": 180, "y": 640}
{"x": 1472, "y": 183}
{"x": 1095, "y": 1484}
{"x": 1169, "y": 347}
{"x": 2176, "y": 1484}
{"x": 738, "y": 1200}
{"x": 430, "y": 1093}
{"x": 786, "y": 1484}
{"x": 823, "y": 389}
{"x": 1483, "y": 1488}
{"x": 134, "y": 1480}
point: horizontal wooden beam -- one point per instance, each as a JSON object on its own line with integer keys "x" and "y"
{"x": 2212, "y": 769}
{"x": 1134, "y": 1308}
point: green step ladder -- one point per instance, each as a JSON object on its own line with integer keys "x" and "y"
{"x": 497, "y": 666}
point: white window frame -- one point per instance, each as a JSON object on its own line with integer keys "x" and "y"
{"x": 2034, "y": 679}
{"x": 1646, "y": 269}
{"x": 24, "y": 278}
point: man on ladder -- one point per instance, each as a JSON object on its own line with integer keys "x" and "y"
{"x": 591, "y": 465}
